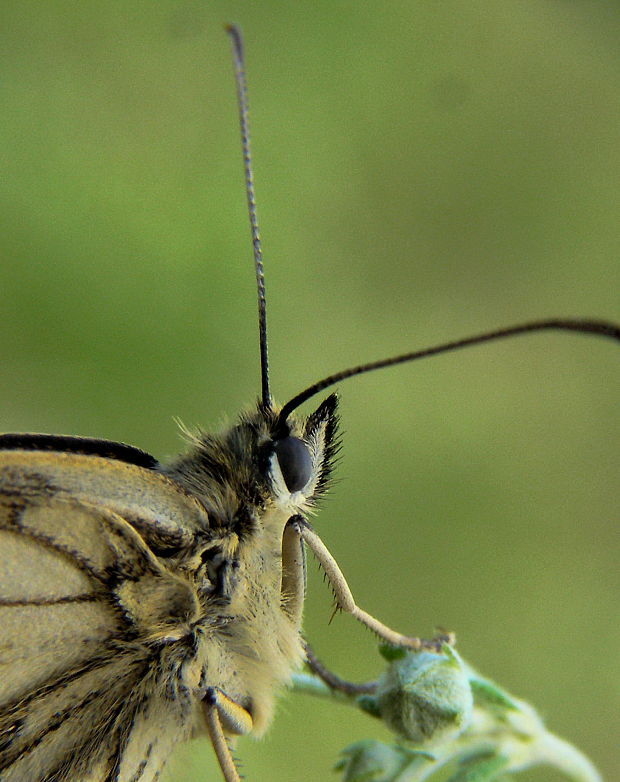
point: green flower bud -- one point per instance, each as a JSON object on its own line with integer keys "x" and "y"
{"x": 425, "y": 697}
{"x": 372, "y": 761}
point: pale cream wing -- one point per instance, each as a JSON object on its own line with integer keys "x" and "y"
{"x": 93, "y": 633}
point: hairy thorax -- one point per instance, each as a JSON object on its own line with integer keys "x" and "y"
{"x": 255, "y": 644}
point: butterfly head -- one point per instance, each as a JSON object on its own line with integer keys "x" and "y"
{"x": 261, "y": 463}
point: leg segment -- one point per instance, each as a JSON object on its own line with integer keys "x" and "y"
{"x": 333, "y": 680}
{"x": 224, "y": 714}
{"x": 344, "y": 597}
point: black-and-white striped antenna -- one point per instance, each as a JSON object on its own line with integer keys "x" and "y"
{"x": 242, "y": 100}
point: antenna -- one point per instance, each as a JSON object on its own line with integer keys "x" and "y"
{"x": 242, "y": 101}
{"x": 599, "y": 328}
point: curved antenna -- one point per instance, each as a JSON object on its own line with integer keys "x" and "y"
{"x": 599, "y": 328}
{"x": 242, "y": 102}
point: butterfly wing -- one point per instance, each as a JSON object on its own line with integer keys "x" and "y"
{"x": 97, "y": 657}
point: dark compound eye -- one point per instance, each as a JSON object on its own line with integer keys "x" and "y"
{"x": 295, "y": 462}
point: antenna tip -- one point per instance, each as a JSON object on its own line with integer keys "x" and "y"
{"x": 235, "y": 33}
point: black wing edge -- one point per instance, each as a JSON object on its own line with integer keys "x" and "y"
{"x": 88, "y": 446}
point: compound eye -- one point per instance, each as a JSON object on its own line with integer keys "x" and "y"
{"x": 295, "y": 462}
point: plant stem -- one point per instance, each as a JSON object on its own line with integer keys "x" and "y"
{"x": 556, "y": 752}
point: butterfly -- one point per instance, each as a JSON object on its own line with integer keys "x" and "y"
{"x": 144, "y": 602}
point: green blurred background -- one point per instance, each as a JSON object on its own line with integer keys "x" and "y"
{"x": 424, "y": 171}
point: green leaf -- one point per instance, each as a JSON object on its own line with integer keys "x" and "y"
{"x": 486, "y": 769}
{"x": 488, "y": 693}
{"x": 390, "y": 652}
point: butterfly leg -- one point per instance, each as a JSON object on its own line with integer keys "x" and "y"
{"x": 332, "y": 679}
{"x": 344, "y": 597}
{"x": 224, "y": 714}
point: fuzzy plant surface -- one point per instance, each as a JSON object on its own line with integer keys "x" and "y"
{"x": 450, "y": 723}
